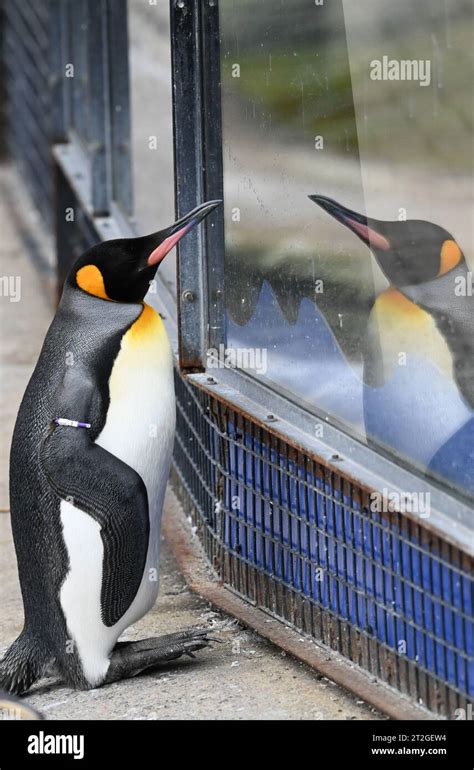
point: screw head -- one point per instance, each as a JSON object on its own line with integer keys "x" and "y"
{"x": 188, "y": 295}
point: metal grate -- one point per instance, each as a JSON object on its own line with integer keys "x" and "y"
{"x": 27, "y": 63}
{"x": 300, "y": 541}
{"x": 67, "y": 81}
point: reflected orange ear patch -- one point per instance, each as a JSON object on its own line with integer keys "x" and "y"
{"x": 398, "y": 307}
{"x": 449, "y": 256}
{"x": 89, "y": 279}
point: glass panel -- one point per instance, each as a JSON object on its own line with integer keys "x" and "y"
{"x": 368, "y": 105}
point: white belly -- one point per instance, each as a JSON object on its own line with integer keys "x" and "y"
{"x": 140, "y": 431}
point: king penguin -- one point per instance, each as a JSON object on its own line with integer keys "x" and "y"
{"x": 89, "y": 462}
{"x": 419, "y": 350}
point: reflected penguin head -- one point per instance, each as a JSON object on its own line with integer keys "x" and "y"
{"x": 408, "y": 252}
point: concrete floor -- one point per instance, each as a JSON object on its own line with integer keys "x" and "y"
{"x": 246, "y": 677}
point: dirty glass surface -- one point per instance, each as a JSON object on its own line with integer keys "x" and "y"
{"x": 346, "y": 305}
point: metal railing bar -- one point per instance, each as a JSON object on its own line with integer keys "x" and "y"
{"x": 189, "y": 183}
{"x": 97, "y": 146}
{"x": 79, "y": 85}
{"x": 58, "y": 33}
{"x": 118, "y": 75}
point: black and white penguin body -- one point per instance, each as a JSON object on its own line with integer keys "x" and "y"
{"x": 90, "y": 459}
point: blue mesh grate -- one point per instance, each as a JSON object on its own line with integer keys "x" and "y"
{"x": 300, "y": 541}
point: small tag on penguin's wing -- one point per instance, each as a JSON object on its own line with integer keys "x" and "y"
{"x": 71, "y": 423}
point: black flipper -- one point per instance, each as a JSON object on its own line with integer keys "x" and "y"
{"x": 101, "y": 485}
{"x": 131, "y": 658}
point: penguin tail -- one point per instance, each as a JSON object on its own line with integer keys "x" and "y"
{"x": 22, "y": 664}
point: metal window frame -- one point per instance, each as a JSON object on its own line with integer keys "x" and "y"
{"x": 198, "y": 171}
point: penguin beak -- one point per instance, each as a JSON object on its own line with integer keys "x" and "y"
{"x": 358, "y": 223}
{"x": 169, "y": 237}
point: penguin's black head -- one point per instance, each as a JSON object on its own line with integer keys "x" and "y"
{"x": 121, "y": 270}
{"x": 408, "y": 252}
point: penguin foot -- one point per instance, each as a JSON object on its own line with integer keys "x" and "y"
{"x": 131, "y": 658}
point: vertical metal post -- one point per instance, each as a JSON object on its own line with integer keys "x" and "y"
{"x": 119, "y": 107}
{"x": 188, "y": 161}
{"x": 78, "y": 57}
{"x": 58, "y": 22}
{"x": 97, "y": 101}
{"x": 212, "y": 139}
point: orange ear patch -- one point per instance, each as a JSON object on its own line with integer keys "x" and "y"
{"x": 449, "y": 257}
{"x": 89, "y": 278}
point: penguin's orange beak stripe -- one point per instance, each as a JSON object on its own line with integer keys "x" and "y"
{"x": 371, "y": 237}
{"x": 158, "y": 254}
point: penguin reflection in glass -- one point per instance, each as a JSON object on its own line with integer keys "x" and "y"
{"x": 419, "y": 350}
{"x": 88, "y": 480}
